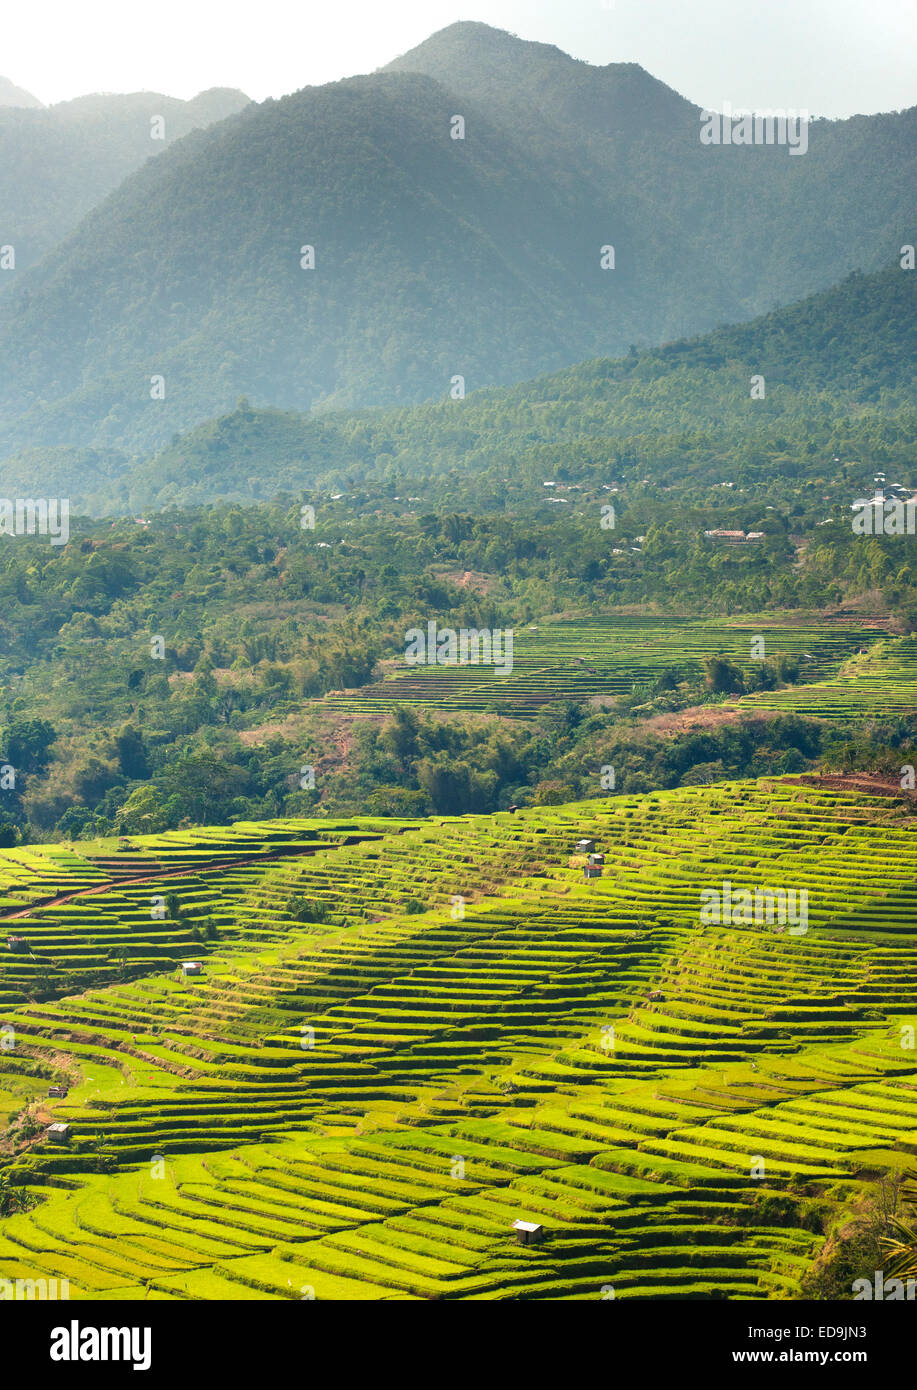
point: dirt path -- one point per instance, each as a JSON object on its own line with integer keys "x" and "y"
{"x": 15, "y": 914}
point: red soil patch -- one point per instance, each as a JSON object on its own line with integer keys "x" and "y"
{"x": 470, "y": 579}
{"x": 873, "y": 783}
{"x": 699, "y": 717}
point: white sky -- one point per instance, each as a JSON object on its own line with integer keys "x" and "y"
{"x": 831, "y": 57}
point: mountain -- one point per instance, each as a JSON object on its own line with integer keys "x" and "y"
{"x": 751, "y": 224}
{"x": 838, "y": 374}
{"x": 11, "y": 95}
{"x": 434, "y": 257}
{"x": 58, "y": 162}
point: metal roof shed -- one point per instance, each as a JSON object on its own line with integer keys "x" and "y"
{"x": 528, "y": 1232}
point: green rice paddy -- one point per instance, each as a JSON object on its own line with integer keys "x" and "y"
{"x": 609, "y": 656}
{"x": 361, "y": 1108}
{"x": 880, "y": 681}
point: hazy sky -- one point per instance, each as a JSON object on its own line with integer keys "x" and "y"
{"x": 831, "y": 57}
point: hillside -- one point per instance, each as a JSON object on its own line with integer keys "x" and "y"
{"x": 434, "y": 257}
{"x": 638, "y": 140}
{"x": 58, "y": 162}
{"x": 284, "y": 646}
{"x": 838, "y": 369}
{"x": 391, "y": 1054}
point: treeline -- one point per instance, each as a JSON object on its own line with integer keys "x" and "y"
{"x": 409, "y": 765}
{"x": 146, "y": 667}
{"x": 836, "y": 403}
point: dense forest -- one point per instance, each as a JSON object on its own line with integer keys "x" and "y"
{"x": 257, "y": 617}
{"x": 589, "y": 491}
{"x": 58, "y": 162}
{"x": 837, "y": 405}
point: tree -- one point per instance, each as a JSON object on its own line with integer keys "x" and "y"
{"x": 901, "y": 1242}
{"x": 131, "y": 752}
{"x": 724, "y": 676}
{"x": 554, "y": 793}
{"x": 27, "y": 743}
{"x": 143, "y": 813}
{"x": 399, "y": 734}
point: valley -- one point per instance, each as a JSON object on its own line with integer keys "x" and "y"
{"x": 458, "y": 676}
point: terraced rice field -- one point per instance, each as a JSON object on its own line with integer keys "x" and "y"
{"x": 607, "y": 656}
{"x": 102, "y": 914}
{"x": 879, "y": 683}
{"x": 360, "y": 1108}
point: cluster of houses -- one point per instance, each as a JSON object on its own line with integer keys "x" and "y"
{"x": 593, "y": 867}
{"x": 890, "y": 511}
{"x": 733, "y": 537}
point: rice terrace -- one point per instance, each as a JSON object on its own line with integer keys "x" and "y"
{"x": 361, "y": 1106}
{"x": 458, "y": 682}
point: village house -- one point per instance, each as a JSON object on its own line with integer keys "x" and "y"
{"x": 528, "y": 1232}
{"x": 733, "y": 537}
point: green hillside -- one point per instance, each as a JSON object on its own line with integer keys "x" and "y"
{"x": 359, "y": 1105}
{"x": 58, "y": 162}
{"x": 435, "y": 257}
{"x": 838, "y": 372}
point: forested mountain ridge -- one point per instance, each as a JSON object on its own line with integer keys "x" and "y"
{"x": 215, "y": 299}
{"x": 640, "y": 141}
{"x": 838, "y": 380}
{"x": 434, "y": 257}
{"x": 58, "y": 162}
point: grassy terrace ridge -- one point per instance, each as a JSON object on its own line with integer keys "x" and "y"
{"x": 361, "y": 1105}
{"x": 883, "y": 677}
{"x": 613, "y": 655}
{"x": 101, "y": 913}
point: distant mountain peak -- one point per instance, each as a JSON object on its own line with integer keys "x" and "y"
{"x": 472, "y": 39}
{"x": 221, "y": 100}
{"x": 501, "y": 68}
{"x": 11, "y": 95}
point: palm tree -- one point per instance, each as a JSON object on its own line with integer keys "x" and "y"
{"x": 902, "y": 1245}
